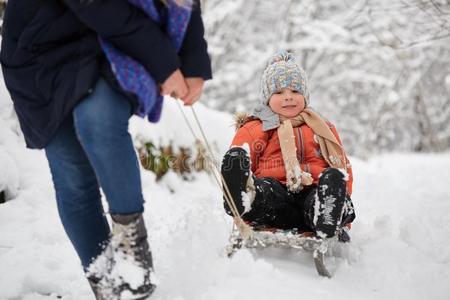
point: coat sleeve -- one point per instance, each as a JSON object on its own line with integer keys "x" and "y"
{"x": 130, "y": 30}
{"x": 195, "y": 61}
{"x": 347, "y": 162}
{"x": 256, "y": 139}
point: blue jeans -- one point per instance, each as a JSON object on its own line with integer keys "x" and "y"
{"x": 93, "y": 149}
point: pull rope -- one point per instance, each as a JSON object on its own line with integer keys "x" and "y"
{"x": 245, "y": 231}
{"x": 240, "y": 224}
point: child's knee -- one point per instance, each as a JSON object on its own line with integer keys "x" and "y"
{"x": 235, "y": 157}
{"x": 236, "y": 152}
{"x": 332, "y": 175}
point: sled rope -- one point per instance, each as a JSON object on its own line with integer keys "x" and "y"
{"x": 243, "y": 228}
{"x": 187, "y": 121}
{"x": 245, "y": 231}
{"x": 217, "y": 174}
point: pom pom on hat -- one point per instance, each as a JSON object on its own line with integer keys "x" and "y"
{"x": 281, "y": 56}
{"x": 282, "y": 71}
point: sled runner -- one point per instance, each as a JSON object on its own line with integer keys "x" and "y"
{"x": 289, "y": 239}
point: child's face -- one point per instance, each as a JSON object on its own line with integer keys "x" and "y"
{"x": 287, "y": 103}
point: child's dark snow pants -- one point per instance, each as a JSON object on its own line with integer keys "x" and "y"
{"x": 274, "y": 205}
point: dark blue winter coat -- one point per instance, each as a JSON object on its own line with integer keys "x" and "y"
{"x": 51, "y": 57}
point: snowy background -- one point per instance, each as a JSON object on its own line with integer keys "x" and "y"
{"x": 380, "y": 70}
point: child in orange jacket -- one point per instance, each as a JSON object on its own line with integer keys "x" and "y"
{"x": 286, "y": 167}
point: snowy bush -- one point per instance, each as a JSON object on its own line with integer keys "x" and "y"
{"x": 176, "y": 143}
{"x": 182, "y": 160}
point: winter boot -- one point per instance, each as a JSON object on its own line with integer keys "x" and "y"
{"x": 348, "y": 215}
{"x": 96, "y": 288}
{"x": 329, "y": 203}
{"x": 98, "y": 274}
{"x": 237, "y": 175}
{"x": 343, "y": 235}
{"x": 133, "y": 266}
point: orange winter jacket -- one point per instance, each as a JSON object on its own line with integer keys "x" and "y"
{"x": 266, "y": 157}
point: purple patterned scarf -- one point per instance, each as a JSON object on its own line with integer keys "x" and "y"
{"x": 131, "y": 75}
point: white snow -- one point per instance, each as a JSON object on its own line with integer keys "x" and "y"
{"x": 129, "y": 271}
{"x": 329, "y": 204}
{"x": 400, "y": 247}
{"x": 246, "y": 202}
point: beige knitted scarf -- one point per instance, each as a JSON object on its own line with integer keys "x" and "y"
{"x": 332, "y": 151}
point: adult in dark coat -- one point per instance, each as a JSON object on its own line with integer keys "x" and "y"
{"x": 69, "y": 102}
{"x": 51, "y": 57}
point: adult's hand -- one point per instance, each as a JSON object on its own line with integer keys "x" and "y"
{"x": 175, "y": 85}
{"x": 195, "y": 89}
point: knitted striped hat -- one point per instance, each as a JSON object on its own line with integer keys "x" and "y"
{"x": 281, "y": 72}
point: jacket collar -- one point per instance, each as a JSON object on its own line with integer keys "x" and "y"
{"x": 269, "y": 119}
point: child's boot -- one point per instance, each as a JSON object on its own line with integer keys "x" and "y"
{"x": 348, "y": 215}
{"x": 237, "y": 175}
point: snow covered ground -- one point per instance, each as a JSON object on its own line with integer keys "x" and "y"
{"x": 400, "y": 247}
